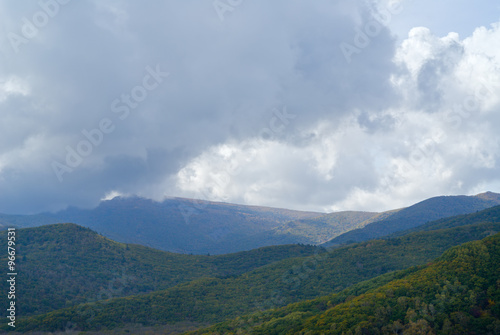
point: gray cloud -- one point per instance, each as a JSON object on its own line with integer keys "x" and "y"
{"x": 82, "y": 69}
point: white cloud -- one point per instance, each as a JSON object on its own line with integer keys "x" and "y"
{"x": 444, "y": 143}
{"x": 112, "y": 194}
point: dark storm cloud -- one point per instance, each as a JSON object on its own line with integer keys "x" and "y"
{"x": 224, "y": 77}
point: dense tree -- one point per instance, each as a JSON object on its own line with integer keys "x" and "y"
{"x": 211, "y": 300}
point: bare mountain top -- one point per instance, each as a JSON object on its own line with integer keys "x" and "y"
{"x": 489, "y": 196}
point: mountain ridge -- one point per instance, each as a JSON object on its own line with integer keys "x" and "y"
{"x": 418, "y": 214}
{"x": 201, "y": 227}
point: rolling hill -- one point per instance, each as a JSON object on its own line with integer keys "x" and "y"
{"x": 63, "y": 265}
{"x": 210, "y": 300}
{"x": 458, "y": 293}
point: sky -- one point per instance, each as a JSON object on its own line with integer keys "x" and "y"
{"x": 325, "y": 106}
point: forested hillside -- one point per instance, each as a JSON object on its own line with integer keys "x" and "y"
{"x": 458, "y": 293}
{"x": 70, "y": 264}
{"x": 212, "y": 300}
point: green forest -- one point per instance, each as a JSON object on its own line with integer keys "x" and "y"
{"x": 431, "y": 278}
{"x": 64, "y": 265}
{"x": 458, "y": 293}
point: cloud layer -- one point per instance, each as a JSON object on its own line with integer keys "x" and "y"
{"x": 294, "y": 104}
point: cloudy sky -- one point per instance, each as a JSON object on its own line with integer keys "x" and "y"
{"x": 315, "y": 105}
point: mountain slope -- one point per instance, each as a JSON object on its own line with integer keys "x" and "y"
{"x": 71, "y": 265}
{"x": 213, "y": 300}
{"x": 177, "y": 225}
{"x": 323, "y": 228}
{"x": 201, "y": 227}
{"x": 459, "y": 293}
{"x": 416, "y": 215}
{"x": 495, "y": 197}
{"x": 487, "y": 215}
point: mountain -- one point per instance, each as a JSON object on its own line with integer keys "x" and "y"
{"x": 202, "y": 227}
{"x": 488, "y": 215}
{"x": 24, "y": 221}
{"x": 63, "y": 265}
{"x": 323, "y": 228}
{"x": 458, "y": 293}
{"x": 177, "y": 225}
{"x": 418, "y": 214}
{"x": 314, "y": 230}
{"x": 495, "y": 197}
{"x": 210, "y": 300}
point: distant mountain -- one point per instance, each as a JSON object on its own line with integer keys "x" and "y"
{"x": 491, "y": 214}
{"x": 177, "y": 225}
{"x": 71, "y": 264}
{"x": 314, "y": 230}
{"x": 458, "y": 293}
{"x": 495, "y": 197}
{"x": 210, "y": 300}
{"x": 202, "y": 227}
{"x": 418, "y": 214}
{"x": 323, "y": 228}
